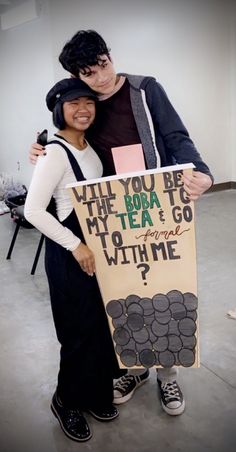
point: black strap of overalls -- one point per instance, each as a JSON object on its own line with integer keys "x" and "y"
{"x": 74, "y": 164}
{"x": 76, "y": 169}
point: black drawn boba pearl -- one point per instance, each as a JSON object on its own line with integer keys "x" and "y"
{"x": 131, "y": 299}
{"x": 178, "y": 311}
{"x": 190, "y": 301}
{"x": 158, "y": 329}
{"x": 192, "y": 315}
{"x": 121, "y": 336}
{"x": 166, "y": 359}
{"x": 128, "y": 358}
{"x": 160, "y": 302}
{"x": 147, "y": 358}
{"x": 147, "y": 306}
{"x": 141, "y": 336}
{"x": 135, "y": 308}
{"x": 118, "y": 349}
{"x": 174, "y": 343}
{"x": 187, "y": 327}
{"x": 186, "y": 357}
{"x": 189, "y": 341}
{"x": 163, "y": 317}
{"x": 114, "y": 309}
{"x": 135, "y": 322}
{"x": 175, "y": 296}
{"x": 120, "y": 321}
{"x": 161, "y": 344}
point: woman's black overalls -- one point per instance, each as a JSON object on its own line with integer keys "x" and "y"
{"x": 88, "y": 363}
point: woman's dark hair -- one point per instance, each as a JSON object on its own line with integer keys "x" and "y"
{"x": 83, "y": 50}
{"x": 58, "y": 116}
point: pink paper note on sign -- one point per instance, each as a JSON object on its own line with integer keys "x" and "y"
{"x": 128, "y": 158}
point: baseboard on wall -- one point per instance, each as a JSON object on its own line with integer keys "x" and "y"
{"x": 222, "y": 186}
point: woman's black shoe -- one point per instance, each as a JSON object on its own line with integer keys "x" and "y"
{"x": 104, "y": 414}
{"x": 72, "y": 421}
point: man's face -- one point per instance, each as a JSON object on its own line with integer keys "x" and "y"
{"x": 101, "y": 77}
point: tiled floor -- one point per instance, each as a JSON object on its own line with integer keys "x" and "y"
{"x": 29, "y": 355}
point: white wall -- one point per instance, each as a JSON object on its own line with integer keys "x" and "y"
{"x": 233, "y": 94}
{"x": 189, "y": 45}
{"x": 26, "y": 75}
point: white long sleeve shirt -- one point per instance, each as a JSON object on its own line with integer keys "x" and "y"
{"x": 51, "y": 175}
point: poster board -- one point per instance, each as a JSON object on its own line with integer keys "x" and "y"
{"x": 141, "y": 229}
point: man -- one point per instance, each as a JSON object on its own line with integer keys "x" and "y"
{"x": 134, "y": 109}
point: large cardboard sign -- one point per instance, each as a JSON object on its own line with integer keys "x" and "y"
{"x": 140, "y": 227}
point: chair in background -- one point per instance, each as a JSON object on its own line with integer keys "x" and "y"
{"x": 17, "y": 213}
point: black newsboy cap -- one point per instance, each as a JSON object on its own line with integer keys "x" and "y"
{"x": 68, "y": 89}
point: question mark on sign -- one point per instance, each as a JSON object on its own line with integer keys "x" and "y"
{"x": 145, "y": 270}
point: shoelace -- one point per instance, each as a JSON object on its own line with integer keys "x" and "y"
{"x": 171, "y": 391}
{"x": 124, "y": 382}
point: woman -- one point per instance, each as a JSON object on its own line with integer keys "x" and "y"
{"x": 88, "y": 363}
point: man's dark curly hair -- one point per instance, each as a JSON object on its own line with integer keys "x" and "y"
{"x": 83, "y": 50}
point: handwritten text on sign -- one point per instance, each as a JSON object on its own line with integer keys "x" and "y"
{"x": 141, "y": 230}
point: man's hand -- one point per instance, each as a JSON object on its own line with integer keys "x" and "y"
{"x": 85, "y": 258}
{"x": 35, "y": 150}
{"x": 196, "y": 184}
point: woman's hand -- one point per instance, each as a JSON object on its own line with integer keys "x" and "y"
{"x": 85, "y": 258}
{"x": 35, "y": 150}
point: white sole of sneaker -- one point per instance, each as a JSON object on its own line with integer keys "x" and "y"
{"x": 120, "y": 400}
{"x": 174, "y": 411}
